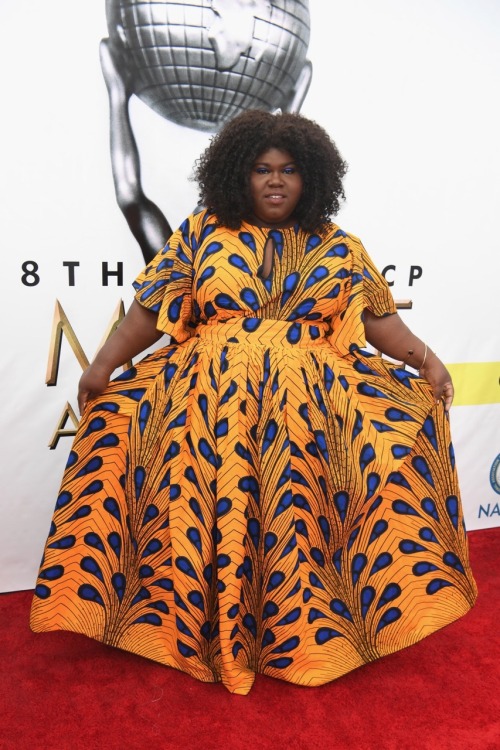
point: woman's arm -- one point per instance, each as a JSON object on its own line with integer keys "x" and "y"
{"x": 392, "y": 337}
{"x": 135, "y": 333}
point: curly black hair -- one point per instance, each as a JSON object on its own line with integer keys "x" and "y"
{"x": 223, "y": 170}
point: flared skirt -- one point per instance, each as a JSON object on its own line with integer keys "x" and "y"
{"x": 240, "y": 504}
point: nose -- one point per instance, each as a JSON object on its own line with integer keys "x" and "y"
{"x": 276, "y": 177}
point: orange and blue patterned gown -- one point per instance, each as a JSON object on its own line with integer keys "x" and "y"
{"x": 263, "y": 495}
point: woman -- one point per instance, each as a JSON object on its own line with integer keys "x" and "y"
{"x": 263, "y": 495}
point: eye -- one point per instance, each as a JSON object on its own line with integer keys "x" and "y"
{"x": 261, "y": 170}
{"x": 290, "y": 170}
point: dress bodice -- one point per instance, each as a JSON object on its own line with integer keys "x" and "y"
{"x": 207, "y": 273}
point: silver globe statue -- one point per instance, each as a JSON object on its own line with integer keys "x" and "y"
{"x": 197, "y": 63}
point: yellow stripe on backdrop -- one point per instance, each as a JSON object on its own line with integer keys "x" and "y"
{"x": 476, "y": 383}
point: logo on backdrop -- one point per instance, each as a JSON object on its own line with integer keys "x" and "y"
{"x": 492, "y": 509}
{"x": 495, "y": 475}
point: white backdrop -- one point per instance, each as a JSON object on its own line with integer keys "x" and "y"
{"x": 409, "y": 92}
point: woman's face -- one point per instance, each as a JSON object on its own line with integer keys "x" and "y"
{"x": 275, "y": 188}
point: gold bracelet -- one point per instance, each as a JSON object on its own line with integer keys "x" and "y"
{"x": 425, "y": 357}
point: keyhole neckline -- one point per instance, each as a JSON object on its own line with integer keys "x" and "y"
{"x": 265, "y": 270}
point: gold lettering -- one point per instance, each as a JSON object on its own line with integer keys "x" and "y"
{"x": 59, "y": 432}
{"x": 61, "y": 326}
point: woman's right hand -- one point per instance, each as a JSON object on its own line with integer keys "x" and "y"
{"x": 93, "y": 382}
{"x": 136, "y": 332}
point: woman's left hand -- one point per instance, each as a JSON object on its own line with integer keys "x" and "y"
{"x": 388, "y": 334}
{"x": 439, "y": 378}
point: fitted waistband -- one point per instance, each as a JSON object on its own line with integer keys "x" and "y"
{"x": 264, "y": 331}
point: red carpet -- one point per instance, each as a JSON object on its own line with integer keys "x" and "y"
{"x": 61, "y": 691}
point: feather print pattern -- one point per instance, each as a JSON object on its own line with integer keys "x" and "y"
{"x": 262, "y": 494}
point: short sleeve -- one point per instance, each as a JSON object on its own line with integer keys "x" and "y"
{"x": 165, "y": 285}
{"x": 367, "y": 289}
{"x": 377, "y": 295}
